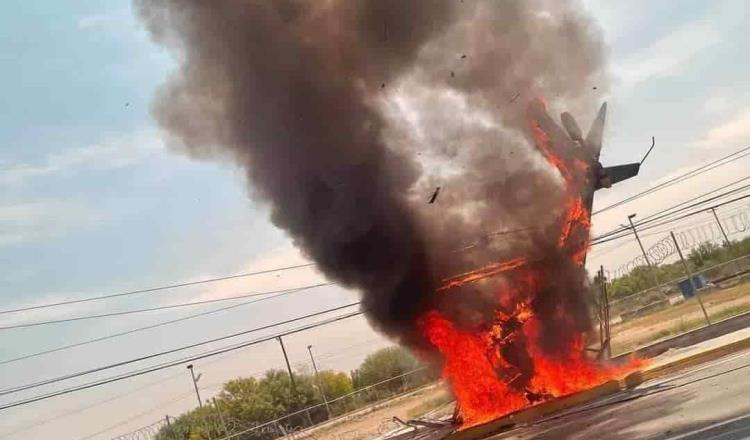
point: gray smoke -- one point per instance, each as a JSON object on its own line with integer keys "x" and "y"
{"x": 346, "y": 115}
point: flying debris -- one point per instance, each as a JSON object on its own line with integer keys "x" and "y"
{"x": 434, "y": 195}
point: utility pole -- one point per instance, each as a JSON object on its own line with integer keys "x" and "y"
{"x": 288, "y": 367}
{"x": 320, "y": 383}
{"x": 638, "y": 239}
{"x": 690, "y": 277}
{"x": 721, "y": 228}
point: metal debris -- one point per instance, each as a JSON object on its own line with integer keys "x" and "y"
{"x": 434, "y": 195}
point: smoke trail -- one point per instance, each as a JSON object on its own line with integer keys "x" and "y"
{"x": 345, "y": 116}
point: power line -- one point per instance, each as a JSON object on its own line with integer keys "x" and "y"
{"x": 37, "y": 423}
{"x": 165, "y": 352}
{"x": 707, "y": 193}
{"x": 152, "y": 309}
{"x": 674, "y": 210}
{"x": 670, "y": 220}
{"x": 153, "y": 289}
{"x": 690, "y": 174}
{"x": 698, "y": 211}
{"x": 176, "y": 362}
{"x": 130, "y": 392}
{"x": 148, "y": 327}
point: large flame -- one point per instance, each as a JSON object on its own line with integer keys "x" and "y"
{"x": 500, "y": 367}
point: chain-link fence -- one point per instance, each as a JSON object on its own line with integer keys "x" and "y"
{"x": 216, "y": 422}
{"x": 296, "y": 424}
{"x": 147, "y": 432}
{"x": 673, "y": 307}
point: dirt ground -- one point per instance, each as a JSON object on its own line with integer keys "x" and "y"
{"x": 371, "y": 424}
{"x": 719, "y": 303}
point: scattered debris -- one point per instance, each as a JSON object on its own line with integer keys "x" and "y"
{"x": 382, "y": 86}
{"x": 516, "y": 96}
{"x": 453, "y": 74}
{"x": 463, "y": 56}
{"x": 434, "y": 195}
{"x": 594, "y": 87}
{"x": 428, "y": 423}
{"x": 127, "y": 104}
{"x": 407, "y": 424}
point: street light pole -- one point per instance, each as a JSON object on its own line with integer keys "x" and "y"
{"x": 320, "y": 383}
{"x": 195, "y": 384}
{"x": 198, "y": 395}
{"x": 638, "y": 239}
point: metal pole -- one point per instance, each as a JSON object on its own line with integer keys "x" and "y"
{"x": 320, "y": 383}
{"x": 288, "y": 367}
{"x": 170, "y": 430}
{"x": 200, "y": 403}
{"x": 606, "y": 342}
{"x": 195, "y": 384}
{"x": 721, "y": 228}
{"x": 690, "y": 277}
{"x": 638, "y": 239}
{"x": 221, "y": 416}
{"x": 606, "y": 316}
{"x": 601, "y": 312}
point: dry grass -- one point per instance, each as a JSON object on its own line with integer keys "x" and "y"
{"x": 680, "y": 318}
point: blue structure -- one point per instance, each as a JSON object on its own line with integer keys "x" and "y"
{"x": 687, "y": 289}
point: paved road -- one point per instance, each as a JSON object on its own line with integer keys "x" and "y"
{"x": 711, "y": 401}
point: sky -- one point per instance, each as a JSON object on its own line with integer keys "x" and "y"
{"x": 92, "y": 202}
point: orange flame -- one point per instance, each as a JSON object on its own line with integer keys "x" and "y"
{"x": 477, "y": 362}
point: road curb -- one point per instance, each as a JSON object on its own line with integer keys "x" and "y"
{"x": 638, "y": 377}
{"x": 535, "y": 412}
{"x": 611, "y": 387}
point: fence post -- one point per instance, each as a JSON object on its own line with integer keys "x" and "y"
{"x": 690, "y": 278}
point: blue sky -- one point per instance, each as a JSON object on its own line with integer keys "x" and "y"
{"x": 91, "y": 202}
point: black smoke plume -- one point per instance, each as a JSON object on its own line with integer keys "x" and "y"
{"x": 346, "y": 115}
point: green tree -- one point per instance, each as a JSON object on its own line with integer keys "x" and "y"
{"x": 335, "y": 384}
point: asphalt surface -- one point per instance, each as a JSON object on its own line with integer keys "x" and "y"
{"x": 711, "y": 401}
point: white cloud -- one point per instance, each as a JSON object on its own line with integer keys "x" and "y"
{"x": 31, "y": 221}
{"x": 667, "y": 56}
{"x": 718, "y": 103}
{"x": 733, "y": 132}
{"x": 110, "y": 154}
{"x": 102, "y": 20}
